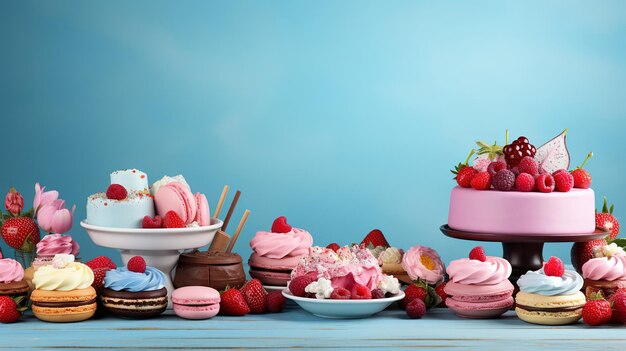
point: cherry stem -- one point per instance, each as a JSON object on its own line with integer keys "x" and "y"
{"x": 469, "y": 156}
{"x": 506, "y": 138}
{"x": 590, "y": 155}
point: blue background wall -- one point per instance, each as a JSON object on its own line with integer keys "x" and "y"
{"x": 343, "y": 116}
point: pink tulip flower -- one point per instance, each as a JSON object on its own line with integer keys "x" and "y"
{"x": 55, "y": 218}
{"x": 43, "y": 198}
{"x": 14, "y": 202}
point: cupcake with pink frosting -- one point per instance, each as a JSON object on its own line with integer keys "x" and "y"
{"x": 50, "y": 245}
{"x": 12, "y": 281}
{"x": 277, "y": 252}
{"x": 479, "y": 286}
{"x": 606, "y": 272}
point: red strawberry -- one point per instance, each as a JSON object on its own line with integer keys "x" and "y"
{"x": 137, "y": 264}
{"x": 98, "y": 278}
{"x": 280, "y": 225}
{"x": 232, "y": 303}
{"x": 116, "y": 192}
{"x": 8, "y": 310}
{"x": 101, "y": 262}
{"x": 606, "y": 220}
{"x": 597, "y": 312}
{"x": 412, "y": 292}
{"x": 275, "y": 302}
{"x": 375, "y": 238}
{"x": 149, "y": 222}
{"x": 333, "y": 246}
{"x": 340, "y": 294}
{"x": 298, "y": 284}
{"x": 481, "y": 181}
{"x": 478, "y": 253}
{"x": 360, "y": 292}
{"x": 21, "y": 233}
{"x": 416, "y": 309}
{"x": 254, "y": 294}
{"x": 442, "y": 294}
{"x": 619, "y": 308}
{"x": 464, "y": 173}
{"x": 582, "y": 178}
{"x": 173, "y": 220}
{"x": 563, "y": 180}
{"x": 554, "y": 267}
{"x": 583, "y": 252}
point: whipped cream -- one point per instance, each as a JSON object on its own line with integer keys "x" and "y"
{"x": 166, "y": 180}
{"x": 53, "y": 244}
{"x": 608, "y": 251}
{"x": 10, "y": 271}
{"x": 63, "y": 275}
{"x": 389, "y": 284}
{"x": 322, "y": 288}
{"x": 537, "y": 282}
{"x": 280, "y": 245}
{"x": 605, "y": 268}
{"x": 475, "y": 272}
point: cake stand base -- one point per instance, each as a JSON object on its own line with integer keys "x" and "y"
{"x": 523, "y": 251}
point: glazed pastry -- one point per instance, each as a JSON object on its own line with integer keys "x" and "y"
{"x": 423, "y": 263}
{"x": 12, "y": 281}
{"x": 606, "y": 272}
{"x": 47, "y": 248}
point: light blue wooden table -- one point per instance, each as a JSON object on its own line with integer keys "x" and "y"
{"x": 297, "y": 329}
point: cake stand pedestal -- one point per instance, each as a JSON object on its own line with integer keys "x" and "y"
{"x": 523, "y": 251}
{"x": 159, "y": 247}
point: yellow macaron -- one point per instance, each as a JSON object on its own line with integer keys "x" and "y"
{"x": 549, "y": 310}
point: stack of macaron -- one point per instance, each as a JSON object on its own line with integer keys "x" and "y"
{"x": 173, "y": 197}
{"x": 49, "y": 246}
{"x": 196, "y": 302}
{"x": 479, "y": 285}
{"x": 277, "y": 252}
{"x": 606, "y": 273}
{"x": 12, "y": 281}
{"x": 63, "y": 291}
{"x": 135, "y": 291}
{"x": 551, "y": 295}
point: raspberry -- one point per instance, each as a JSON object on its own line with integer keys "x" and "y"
{"x": 173, "y": 220}
{"x": 465, "y": 175}
{"x": 298, "y": 284}
{"x": 495, "y": 167}
{"x": 413, "y": 292}
{"x": 563, "y": 180}
{"x": 378, "y": 294}
{"x": 597, "y": 312}
{"x": 340, "y": 294}
{"x": 554, "y": 267}
{"x": 515, "y": 171}
{"x": 116, "y": 192}
{"x": 525, "y": 182}
{"x": 137, "y": 264}
{"x": 503, "y": 180}
{"x": 442, "y": 294}
{"x": 528, "y": 165}
{"x": 275, "y": 302}
{"x": 481, "y": 181}
{"x": 544, "y": 183}
{"x": 280, "y": 225}
{"x": 360, "y": 292}
{"x": 333, "y": 246}
{"x": 416, "y": 309}
{"x": 149, "y": 222}
{"x": 478, "y": 253}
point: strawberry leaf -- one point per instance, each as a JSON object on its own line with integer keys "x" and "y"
{"x": 621, "y": 242}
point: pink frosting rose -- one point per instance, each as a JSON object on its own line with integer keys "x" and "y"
{"x": 605, "y": 268}
{"x": 474, "y": 272}
{"x": 279, "y": 245}
{"x": 10, "y": 271}
{"x": 54, "y": 244}
{"x": 422, "y": 262}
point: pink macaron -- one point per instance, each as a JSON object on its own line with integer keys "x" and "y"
{"x": 272, "y": 271}
{"x": 196, "y": 302}
{"x": 203, "y": 216}
{"x": 479, "y": 301}
{"x": 176, "y": 197}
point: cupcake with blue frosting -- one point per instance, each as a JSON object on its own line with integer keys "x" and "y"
{"x": 135, "y": 291}
{"x": 551, "y": 295}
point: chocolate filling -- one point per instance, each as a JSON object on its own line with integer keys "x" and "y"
{"x": 141, "y": 303}
{"x": 64, "y": 304}
{"x": 547, "y": 309}
{"x": 288, "y": 271}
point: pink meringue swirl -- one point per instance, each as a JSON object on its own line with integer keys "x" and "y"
{"x": 422, "y": 262}
{"x": 279, "y": 245}
{"x": 54, "y": 244}
{"x": 10, "y": 271}
{"x": 474, "y": 272}
{"x": 605, "y": 268}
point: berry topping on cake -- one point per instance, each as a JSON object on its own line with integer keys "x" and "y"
{"x": 416, "y": 309}
{"x": 554, "y": 267}
{"x": 173, "y": 220}
{"x": 116, "y": 192}
{"x": 280, "y": 225}
{"x": 333, "y": 246}
{"x": 340, "y": 294}
{"x": 378, "y": 294}
{"x": 298, "y": 285}
{"x": 503, "y": 180}
{"x": 545, "y": 183}
{"x": 360, "y": 292}
{"x": 528, "y": 165}
{"x": 495, "y": 167}
{"x": 275, "y": 302}
{"x": 375, "y": 238}
{"x": 464, "y": 173}
{"x": 481, "y": 181}
{"x": 232, "y": 303}
{"x": 563, "y": 180}
{"x": 137, "y": 264}
{"x": 597, "y": 311}
{"x": 254, "y": 294}
{"x": 153, "y": 223}
{"x": 606, "y": 220}
{"x": 525, "y": 182}
{"x": 582, "y": 178}
{"x": 517, "y": 150}
{"x": 478, "y": 253}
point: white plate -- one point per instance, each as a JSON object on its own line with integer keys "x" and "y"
{"x": 327, "y": 308}
{"x": 271, "y": 288}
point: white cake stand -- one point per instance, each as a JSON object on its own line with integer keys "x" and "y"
{"x": 159, "y": 247}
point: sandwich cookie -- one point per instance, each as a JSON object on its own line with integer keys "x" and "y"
{"x": 196, "y": 302}
{"x": 12, "y": 282}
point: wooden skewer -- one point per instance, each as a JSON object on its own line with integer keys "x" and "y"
{"x": 231, "y": 209}
{"x": 221, "y": 201}
{"x": 244, "y": 218}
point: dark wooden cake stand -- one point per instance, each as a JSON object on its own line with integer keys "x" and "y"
{"x": 523, "y": 251}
